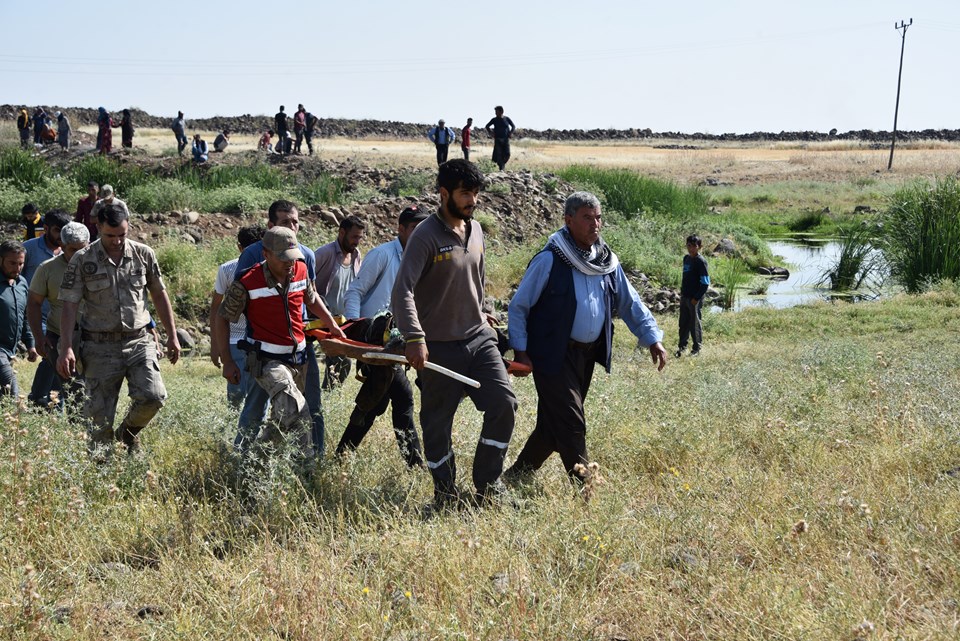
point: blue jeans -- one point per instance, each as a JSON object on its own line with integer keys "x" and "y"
{"x": 8, "y": 377}
{"x": 255, "y": 408}
{"x": 236, "y": 393}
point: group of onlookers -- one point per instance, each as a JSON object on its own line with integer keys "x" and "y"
{"x": 500, "y": 128}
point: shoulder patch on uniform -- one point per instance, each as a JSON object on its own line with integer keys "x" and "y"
{"x": 445, "y": 249}
{"x": 89, "y": 269}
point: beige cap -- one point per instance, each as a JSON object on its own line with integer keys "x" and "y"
{"x": 282, "y": 242}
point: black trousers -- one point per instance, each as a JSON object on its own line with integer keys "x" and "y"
{"x": 384, "y": 386}
{"x": 561, "y": 424}
{"x": 440, "y": 396}
{"x": 691, "y": 325}
{"x": 442, "y": 153}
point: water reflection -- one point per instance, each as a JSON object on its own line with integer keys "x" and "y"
{"x": 807, "y": 259}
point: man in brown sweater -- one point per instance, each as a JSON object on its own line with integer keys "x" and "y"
{"x": 437, "y": 302}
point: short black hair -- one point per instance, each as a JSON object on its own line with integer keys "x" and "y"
{"x": 459, "y": 173}
{"x": 249, "y": 235}
{"x": 350, "y": 222}
{"x": 113, "y": 215}
{"x": 94, "y": 184}
{"x": 56, "y": 218}
{"x": 277, "y": 207}
{"x": 693, "y": 239}
{"x": 8, "y": 247}
{"x": 29, "y": 208}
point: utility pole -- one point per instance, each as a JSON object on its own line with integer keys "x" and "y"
{"x": 903, "y": 42}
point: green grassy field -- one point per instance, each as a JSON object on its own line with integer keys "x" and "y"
{"x": 789, "y": 484}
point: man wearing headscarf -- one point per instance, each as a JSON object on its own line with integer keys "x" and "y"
{"x": 561, "y": 324}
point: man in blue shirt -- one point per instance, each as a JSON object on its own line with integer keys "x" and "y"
{"x": 561, "y": 324}
{"x": 368, "y": 296}
{"x": 441, "y": 136}
{"x": 13, "y": 315}
{"x": 282, "y": 213}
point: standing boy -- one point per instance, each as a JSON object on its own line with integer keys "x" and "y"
{"x": 695, "y": 282}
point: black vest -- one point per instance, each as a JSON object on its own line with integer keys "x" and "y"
{"x": 551, "y": 320}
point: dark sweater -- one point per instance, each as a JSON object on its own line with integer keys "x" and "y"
{"x": 696, "y": 278}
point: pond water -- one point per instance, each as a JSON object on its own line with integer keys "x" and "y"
{"x": 807, "y": 261}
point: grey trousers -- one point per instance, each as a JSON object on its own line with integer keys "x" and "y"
{"x": 478, "y": 358}
{"x": 690, "y": 323}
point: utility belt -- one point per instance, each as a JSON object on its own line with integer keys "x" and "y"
{"x": 112, "y": 337}
{"x": 256, "y": 356}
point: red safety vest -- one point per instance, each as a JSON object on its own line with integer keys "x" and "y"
{"x": 276, "y": 321}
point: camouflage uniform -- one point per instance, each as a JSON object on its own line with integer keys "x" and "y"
{"x": 282, "y": 380}
{"x": 115, "y": 344}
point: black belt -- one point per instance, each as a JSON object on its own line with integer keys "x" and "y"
{"x": 578, "y": 345}
{"x": 113, "y": 337}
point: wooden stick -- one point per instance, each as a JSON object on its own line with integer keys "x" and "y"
{"x": 398, "y": 358}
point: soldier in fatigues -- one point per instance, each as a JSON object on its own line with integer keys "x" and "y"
{"x": 112, "y": 276}
{"x": 273, "y": 294}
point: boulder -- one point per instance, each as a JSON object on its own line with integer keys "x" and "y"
{"x": 186, "y": 340}
{"x": 725, "y": 247}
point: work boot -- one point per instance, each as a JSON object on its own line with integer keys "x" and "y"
{"x": 128, "y": 436}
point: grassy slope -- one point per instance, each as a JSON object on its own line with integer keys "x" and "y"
{"x": 841, "y": 416}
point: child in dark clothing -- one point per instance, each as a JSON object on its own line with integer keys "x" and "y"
{"x": 696, "y": 280}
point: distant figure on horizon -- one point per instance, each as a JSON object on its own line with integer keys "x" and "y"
{"x": 104, "y": 131}
{"x": 501, "y": 128}
{"x": 126, "y": 129}
{"x": 280, "y": 124}
{"x": 222, "y": 141}
{"x": 39, "y": 120}
{"x": 441, "y": 136}
{"x": 179, "y": 127}
{"x": 308, "y": 132}
{"x": 63, "y": 130}
{"x": 266, "y": 143}
{"x": 199, "y": 149}
{"x": 465, "y": 138}
{"x": 299, "y": 127}
{"x": 23, "y": 126}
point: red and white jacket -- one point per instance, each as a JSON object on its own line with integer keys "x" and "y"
{"x": 275, "y": 319}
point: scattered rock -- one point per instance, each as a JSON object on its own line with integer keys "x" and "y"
{"x": 684, "y": 560}
{"x": 500, "y": 583}
{"x": 863, "y": 209}
{"x": 725, "y": 247}
{"x": 186, "y": 340}
{"x": 190, "y": 218}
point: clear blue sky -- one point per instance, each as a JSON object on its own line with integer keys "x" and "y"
{"x": 733, "y": 66}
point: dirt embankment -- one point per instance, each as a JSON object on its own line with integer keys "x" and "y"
{"x": 380, "y": 129}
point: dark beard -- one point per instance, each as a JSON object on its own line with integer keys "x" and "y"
{"x": 456, "y": 212}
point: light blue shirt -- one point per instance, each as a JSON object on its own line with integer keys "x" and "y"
{"x": 37, "y": 254}
{"x": 442, "y": 135}
{"x": 590, "y": 292}
{"x": 369, "y": 294}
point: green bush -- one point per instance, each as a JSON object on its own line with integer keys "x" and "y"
{"x": 258, "y": 175}
{"x": 162, "y": 195}
{"x": 411, "y": 183}
{"x": 56, "y": 193}
{"x": 108, "y": 171}
{"x": 732, "y": 274}
{"x": 922, "y": 233}
{"x": 323, "y": 190}
{"x": 189, "y": 274}
{"x": 630, "y": 193}
{"x": 857, "y": 261}
{"x": 23, "y": 168}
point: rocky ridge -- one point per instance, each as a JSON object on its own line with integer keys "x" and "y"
{"x": 389, "y": 129}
